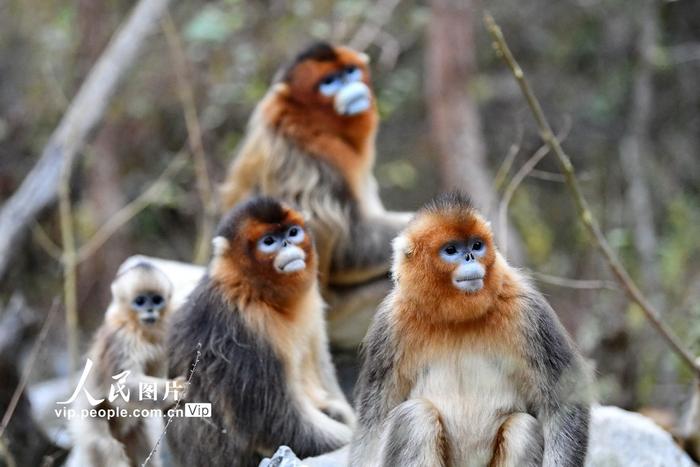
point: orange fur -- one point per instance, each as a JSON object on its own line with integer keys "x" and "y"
{"x": 432, "y": 315}
{"x": 251, "y": 279}
{"x": 296, "y": 110}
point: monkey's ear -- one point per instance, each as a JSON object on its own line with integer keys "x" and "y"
{"x": 281, "y": 89}
{"x": 364, "y": 58}
{"x": 220, "y": 245}
{"x": 402, "y": 246}
{"x": 402, "y": 249}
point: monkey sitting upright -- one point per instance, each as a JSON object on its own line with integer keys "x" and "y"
{"x": 310, "y": 142}
{"x": 264, "y": 364}
{"x": 465, "y": 363}
{"x": 130, "y": 339}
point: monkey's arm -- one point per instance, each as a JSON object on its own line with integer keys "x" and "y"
{"x": 336, "y": 405}
{"x": 366, "y": 252}
{"x": 378, "y": 389}
{"x": 562, "y": 388}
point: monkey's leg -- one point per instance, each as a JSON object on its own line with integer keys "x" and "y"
{"x": 96, "y": 447}
{"x": 414, "y": 436}
{"x": 519, "y": 442}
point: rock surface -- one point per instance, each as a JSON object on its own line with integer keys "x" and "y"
{"x": 621, "y": 438}
{"x": 618, "y": 439}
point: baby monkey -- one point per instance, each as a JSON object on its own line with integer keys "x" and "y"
{"x": 465, "y": 363}
{"x": 130, "y": 344}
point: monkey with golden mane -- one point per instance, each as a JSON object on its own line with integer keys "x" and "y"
{"x": 465, "y": 363}
{"x": 310, "y": 142}
{"x": 265, "y": 365}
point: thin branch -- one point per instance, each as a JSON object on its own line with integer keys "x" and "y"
{"x": 582, "y": 206}
{"x": 515, "y": 182}
{"x": 28, "y": 368}
{"x": 69, "y": 263}
{"x": 130, "y": 210}
{"x": 371, "y": 28}
{"x": 45, "y": 242}
{"x": 174, "y": 409}
{"x": 507, "y": 164}
{"x": 547, "y": 176}
{"x": 194, "y": 132}
{"x": 39, "y": 188}
{"x": 583, "y": 284}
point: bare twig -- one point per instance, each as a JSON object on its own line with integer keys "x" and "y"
{"x": 684, "y": 53}
{"x": 69, "y": 263}
{"x": 371, "y": 28}
{"x": 45, "y": 242}
{"x": 584, "y": 284}
{"x": 507, "y": 164}
{"x": 515, "y": 182}
{"x": 194, "y": 132}
{"x": 174, "y": 409}
{"x": 582, "y": 206}
{"x": 130, "y": 210}
{"x": 40, "y": 187}
{"x": 28, "y": 368}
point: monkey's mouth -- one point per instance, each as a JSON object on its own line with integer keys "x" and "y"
{"x": 471, "y": 283}
{"x": 292, "y": 266}
{"x": 149, "y": 319}
{"x": 353, "y": 99}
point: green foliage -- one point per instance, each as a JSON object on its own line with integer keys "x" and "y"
{"x": 537, "y": 235}
{"x": 680, "y": 248}
{"x": 213, "y": 24}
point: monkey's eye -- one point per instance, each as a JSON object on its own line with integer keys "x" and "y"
{"x": 268, "y": 244}
{"x": 450, "y": 250}
{"x": 477, "y": 246}
{"x": 157, "y": 299}
{"x": 330, "y": 85}
{"x": 140, "y": 300}
{"x": 295, "y": 234}
{"x": 353, "y": 73}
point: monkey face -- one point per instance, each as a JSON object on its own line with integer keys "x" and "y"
{"x": 148, "y": 306}
{"x": 445, "y": 258}
{"x": 455, "y": 250}
{"x": 334, "y": 78}
{"x": 264, "y": 245}
{"x": 350, "y": 95}
{"x": 280, "y": 248}
{"x": 468, "y": 274}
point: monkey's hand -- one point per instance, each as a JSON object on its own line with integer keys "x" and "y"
{"x": 340, "y": 411}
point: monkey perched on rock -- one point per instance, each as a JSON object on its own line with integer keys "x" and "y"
{"x": 465, "y": 362}
{"x": 264, "y": 365}
{"x": 131, "y": 339}
{"x": 310, "y": 142}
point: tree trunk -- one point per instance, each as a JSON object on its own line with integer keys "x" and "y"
{"x": 455, "y": 125}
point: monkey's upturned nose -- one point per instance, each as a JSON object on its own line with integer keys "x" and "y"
{"x": 469, "y": 257}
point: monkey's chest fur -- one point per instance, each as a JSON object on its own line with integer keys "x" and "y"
{"x": 474, "y": 393}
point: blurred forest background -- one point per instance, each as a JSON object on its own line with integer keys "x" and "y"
{"x": 617, "y": 79}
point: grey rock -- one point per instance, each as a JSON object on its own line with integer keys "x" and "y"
{"x": 620, "y": 438}
{"x": 284, "y": 457}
